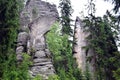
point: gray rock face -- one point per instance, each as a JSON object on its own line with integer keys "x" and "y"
{"x": 36, "y": 19}
{"x": 37, "y": 40}
{"x": 35, "y": 9}
{"x": 79, "y": 37}
{"x": 80, "y": 53}
{"x": 21, "y": 45}
{"x": 39, "y": 54}
{"x": 22, "y": 38}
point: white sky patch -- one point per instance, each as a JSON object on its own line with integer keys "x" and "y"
{"x": 79, "y": 6}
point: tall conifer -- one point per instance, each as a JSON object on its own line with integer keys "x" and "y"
{"x": 66, "y": 13}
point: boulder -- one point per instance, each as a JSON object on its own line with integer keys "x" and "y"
{"x": 22, "y": 38}
{"x": 19, "y": 50}
{"x": 39, "y": 54}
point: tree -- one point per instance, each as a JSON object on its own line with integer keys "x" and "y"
{"x": 9, "y": 22}
{"x": 103, "y": 43}
{"x": 116, "y": 8}
{"x": 66, "y": 13}
{"x": 64, "y": 62}
{"x": 116, "y": 5}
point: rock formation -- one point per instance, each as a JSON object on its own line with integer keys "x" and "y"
{"x": 79, "y": 52}
{"x": 79, "y": 38}
{"x": 36, "y": 19}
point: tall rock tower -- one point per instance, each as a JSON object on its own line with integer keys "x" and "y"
{"x": 36, "y": 19}
{"x": 79, "y": 38}
{"x": 78, "y": 50}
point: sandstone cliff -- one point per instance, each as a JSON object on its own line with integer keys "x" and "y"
{"x": 36, "y": 19}
{"x": 80, "y": 53}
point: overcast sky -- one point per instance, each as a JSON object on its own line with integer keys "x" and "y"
{"x": 79, "y": 5}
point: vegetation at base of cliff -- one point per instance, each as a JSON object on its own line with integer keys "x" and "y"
{"x": 61, "y": 47}
{"x": 9, "y": 22}
{"x": 63, "y": 60}
{"x": 102, "y": 40}
{"x": 9, "y": 25}
{"x": 14, "y": 71}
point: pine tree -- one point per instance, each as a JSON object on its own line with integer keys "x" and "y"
{"x": 116, "y": 8}
{"x": 102, "y": 41}
{"x": 116, "y": 5}
{"x": 9, "y": 22}
{"x": 66, "y": 13}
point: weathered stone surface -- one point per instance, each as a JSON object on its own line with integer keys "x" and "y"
{"x": 19, "y": 49}
{"x": 42, "y": 63}
{"x": 42, "y": 70}
{"x": 39, "y": 46}
{"x": 22, "y": 38}
{"x": 19, "y": 57}
{"x": 79, "y": 37}
{"x": 80, "y": 53}
{"x": 41, "y": 60}
{"x": 21, "y": 45}
{"x": 35, "y": 9}
{"x": 48, "y": 53}
{"x": 40, "y": 54}
{"x": 36, "y": 19}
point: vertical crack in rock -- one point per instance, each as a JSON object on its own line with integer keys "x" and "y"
{"x": 36, "y": 19}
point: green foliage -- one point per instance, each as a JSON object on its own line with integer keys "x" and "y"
{"x": 53, "y": 77}
{"x": 117, "y": 74}
{"x": 61, "y": 49}
{"x": 9, "y": 23}
{"x": 116, "y": 9}
{"x": 54, "y": 36}
{"x": 87, "y": 73}
{"x": 66, "y": 11}
{"x": 102, "y": 42}
{"x": 12, "y": 71}
{"x": 37, "y": 77}
{"x": 116, "y": 5}
{"x": 24, "y": 66}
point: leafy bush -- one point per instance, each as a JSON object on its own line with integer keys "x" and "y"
{"x": 12, "y": 71}
{"x": 37, "y": 77}
{"x": 53, "y": 77}
{"x": 61, "y": 49}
